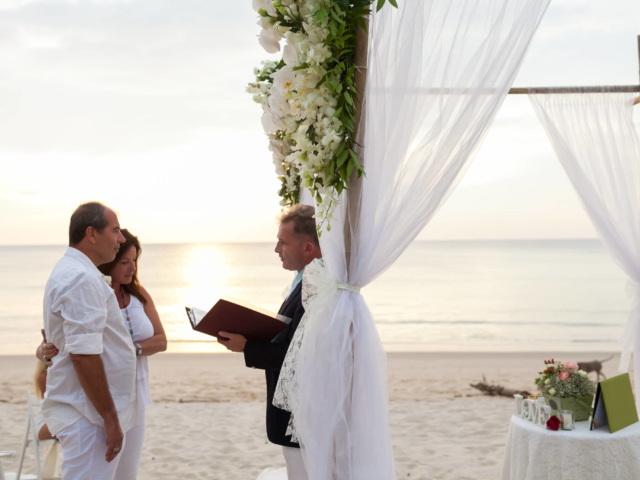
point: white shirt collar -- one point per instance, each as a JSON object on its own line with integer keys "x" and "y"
{"x": 82, "y": 258}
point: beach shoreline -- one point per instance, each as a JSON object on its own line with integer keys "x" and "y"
{"x": 413, "y": 376}
{"x": 207, "y": 416}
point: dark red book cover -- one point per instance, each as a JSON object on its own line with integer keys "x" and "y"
{"x": 235, "y": 316}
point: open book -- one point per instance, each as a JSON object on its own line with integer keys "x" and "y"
{"x": 235, "y": 316}
{"x": 615, "y": 405}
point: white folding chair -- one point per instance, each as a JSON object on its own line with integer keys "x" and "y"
{"x": 31, "y": 436}
{"x": 5, "y": 454}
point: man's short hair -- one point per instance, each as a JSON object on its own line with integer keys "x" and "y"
{"x": 303, "y": 222}
{"x": 90, "y": 214}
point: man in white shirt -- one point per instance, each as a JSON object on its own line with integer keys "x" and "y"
{"x": 91, "y": 387}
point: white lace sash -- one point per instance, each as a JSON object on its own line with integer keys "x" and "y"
{"x": 317, "y": 284}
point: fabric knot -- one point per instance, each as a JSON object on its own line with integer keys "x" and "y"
{"x": 351, "y": 288}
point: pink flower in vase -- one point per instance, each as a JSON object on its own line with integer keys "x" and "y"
{"x": 571, "y": 366}
{"x": 564, "y": 375}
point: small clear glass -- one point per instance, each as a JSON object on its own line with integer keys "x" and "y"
{"x": 567, "y": 420}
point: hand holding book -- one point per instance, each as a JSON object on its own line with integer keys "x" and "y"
{"x": 231, "y": 316}
{"x": 232, "y": 341}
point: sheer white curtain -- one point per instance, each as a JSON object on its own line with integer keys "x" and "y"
{"x": 596, "y": 142}
{"x": 438, "y": 72}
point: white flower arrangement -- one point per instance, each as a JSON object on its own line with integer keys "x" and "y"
{"x": 308, "y": 98}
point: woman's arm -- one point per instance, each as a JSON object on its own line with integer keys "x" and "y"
{"x": 157, "y": 343}
{"x": 45, "y": 349}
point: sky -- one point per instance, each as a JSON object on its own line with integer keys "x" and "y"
{"x": 141, "y": 104}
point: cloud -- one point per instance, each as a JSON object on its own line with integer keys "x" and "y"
{"x": 142, "y": 104}
{"x": 98, "y": 77}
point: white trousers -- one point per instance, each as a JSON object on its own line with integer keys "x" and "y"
{"x": 295, "y": 465}
{"x": 84, "y": 446}
{"x": 132, "y": 453}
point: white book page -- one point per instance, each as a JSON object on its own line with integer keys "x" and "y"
{"x": 195, "y": 315}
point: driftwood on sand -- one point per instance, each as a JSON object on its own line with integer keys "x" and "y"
{"x": 487, "y": 389}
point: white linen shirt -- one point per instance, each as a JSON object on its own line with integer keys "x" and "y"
{"x": 82, "y": 316}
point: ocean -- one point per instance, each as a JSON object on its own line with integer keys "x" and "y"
{"x": 538, "y": 295}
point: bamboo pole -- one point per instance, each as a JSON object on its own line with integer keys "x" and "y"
{"x": 637, "y": 100}
{"x": 590, "y": 89}
{"x": 355, "y": 183}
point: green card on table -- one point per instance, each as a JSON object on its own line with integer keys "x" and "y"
{"x": 615, "y": 404}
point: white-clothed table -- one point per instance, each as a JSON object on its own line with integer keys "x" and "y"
{"x": 536, "y": 453}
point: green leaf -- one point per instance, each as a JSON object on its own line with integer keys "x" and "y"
{"x": 343, "y": 173}
{"x": 335, "y": 15}
{"x": 342, "y": 158}
{"x": 394, "y": 3}
{"x": 349, "y": 169}
{"x": 347, "y": 122}
{"x": 311, "y": 133}
{"x": 347, "y": 97}
{"x": 362, "y": 24}
{"x": 380, "y": 5}
{"x": 322, "y": 80}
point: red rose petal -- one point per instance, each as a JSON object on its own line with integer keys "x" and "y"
{"x": 553, "y": 423}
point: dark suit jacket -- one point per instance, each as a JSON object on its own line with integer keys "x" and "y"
{"x": 270, "y": 357}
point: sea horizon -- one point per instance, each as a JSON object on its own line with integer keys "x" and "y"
{"x": 435, "y": 240}
{"x": 505, "y": 295}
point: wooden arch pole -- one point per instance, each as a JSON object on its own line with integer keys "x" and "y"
{"x": 355, "y": 183}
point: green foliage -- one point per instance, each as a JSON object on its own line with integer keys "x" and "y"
{"x": 340, "y": 18}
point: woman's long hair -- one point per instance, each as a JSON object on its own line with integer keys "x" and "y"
{"x": 134, "y": 288}
{"x": 40, "y": 367}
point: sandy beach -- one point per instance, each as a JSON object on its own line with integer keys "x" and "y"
{"x": 207, "y": 419}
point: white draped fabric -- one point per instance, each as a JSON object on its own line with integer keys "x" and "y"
{"x": 596, "y": 142}
{"x": 438, "y": 72}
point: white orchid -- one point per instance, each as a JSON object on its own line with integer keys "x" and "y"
{"x": 290, "y": 123}
{"x": 266, "y": 5}
{"x": 266, "y": 22}
{"x": 267, "y": 121}
{"x": 278, "y": 105}
{"x": 270, "y": 40}
{"x": 279, "y": 167}
{"x": 289, "y": 55}
{"x": 283, "y": 79}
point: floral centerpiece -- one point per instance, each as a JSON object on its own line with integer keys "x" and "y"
{"x": 565, "y": 387}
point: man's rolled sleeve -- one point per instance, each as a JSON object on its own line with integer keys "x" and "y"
{"x": 84, "y": 344}
{"x": 84, "y": 315}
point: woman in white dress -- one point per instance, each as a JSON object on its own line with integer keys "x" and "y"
{"x": 143, "y": 323}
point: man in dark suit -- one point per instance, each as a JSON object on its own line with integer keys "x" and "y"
{"x": 297, "y": 246}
